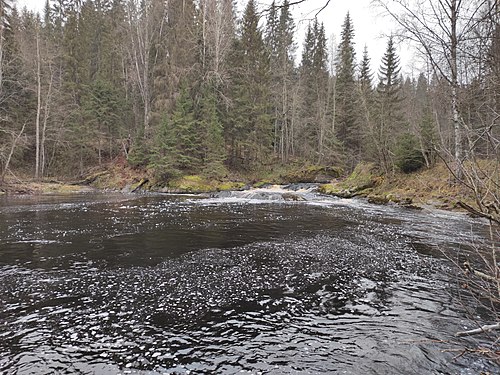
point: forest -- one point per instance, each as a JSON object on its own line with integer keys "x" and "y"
{"x": 188, "y": 86}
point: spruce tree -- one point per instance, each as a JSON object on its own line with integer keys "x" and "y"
{"x": 280, "y": 43}
{"x": 178, "y": 143}
{"x": 271, "y": 31}
{"x": 175, "y": 63}
{"x": 212, "y": 132}
{"x": 315, "y": 144}
{"x": 16, "y": 97}
{"x": 365, "y": 97}
{"x": 248, "y": 124}
{"x": 388, "y": 102}
{"x": 346, "y": 124}
{"x": 389, "y": 86}
{"x": 365, "y": 74}
{"x": 104, "y": 110}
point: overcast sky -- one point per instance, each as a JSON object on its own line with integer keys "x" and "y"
{"x": 369, "y": 25}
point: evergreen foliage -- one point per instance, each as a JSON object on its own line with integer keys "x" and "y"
{"x": 365, "y": 74}
{"x": 345, "y": 98}
{"x": 279, "y": 40}
{"x": 177, "y": 146}
{"x": 389, "y": 119}
{"x": 366, "y": 114}
{"x": 314, "y": 94}
{"x": 177, "y": 86}
{"x": 408, "y": 156}
{"x": 212, "y": 133}
{"x": 248, "y": 124}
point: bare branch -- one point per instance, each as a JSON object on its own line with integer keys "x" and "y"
{"x": 483, "y": 329}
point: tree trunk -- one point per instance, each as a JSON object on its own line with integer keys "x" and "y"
{"x": 454, "y": 88}
{"x": 39, "y": 105}
{"x": 46, "y": 112}
{"x": 1, "y": 49}
{"x": 15, "y": 139}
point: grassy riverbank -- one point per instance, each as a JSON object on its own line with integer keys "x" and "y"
{"x": 429, "y": 187}
{"x": 27, "y": 187}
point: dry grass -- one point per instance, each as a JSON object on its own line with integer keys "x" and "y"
{"x": 434, "y": 186}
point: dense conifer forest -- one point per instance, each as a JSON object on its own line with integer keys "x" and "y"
{"x": 188, "y": 86}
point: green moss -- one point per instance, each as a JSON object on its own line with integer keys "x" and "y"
{"x": 336, "y": 190}
{"x": 200, "y": 184}
{"x": 50, "y": 188}
{"x": 261, "y": 183}
{"x": 190, "y": 184}
{"x": 230, "y": 185}
{"x": 329, "y": 189}
{"x": 363, "y": 177}
{"x": 194, "y": 179}
{"x": 378, "y": 199}
{"x": 361, "y": 182}
{"x": 141, "y": 184}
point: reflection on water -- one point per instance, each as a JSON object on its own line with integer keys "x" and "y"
{"x": 113, "y": 283}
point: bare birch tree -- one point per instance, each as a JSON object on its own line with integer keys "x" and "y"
{"x": 441, "y": 31}
{"x": 217, "y": 37}
{"x": 146, "y": 21}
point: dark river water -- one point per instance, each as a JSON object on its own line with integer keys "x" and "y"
{"x": 246, "y": 283}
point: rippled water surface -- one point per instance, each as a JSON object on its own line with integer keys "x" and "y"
{"x": 113, "y": 283}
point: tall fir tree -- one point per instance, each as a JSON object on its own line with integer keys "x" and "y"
{"x": 248, "y": 125}
{"x": 365, "y": 76}
{"x": 346, "y": 124}
{"x": 388, "y": 106}
{"x": 177, "y": 148}
{"x": 271, "y": 31}
{"x": 16, "y": 94}
{"x": 365, "y": 100}
{"x": 280, "y": 43}
{"x": 314, "y": 92}
{"x": 212, "y": 131}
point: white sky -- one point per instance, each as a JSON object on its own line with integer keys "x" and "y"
{"x": 369, "y": 25}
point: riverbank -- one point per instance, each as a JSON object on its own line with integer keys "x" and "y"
{"x": 121, "y": 177}
{"x": 432, "y": 187}
{"x": 26, "y": 187}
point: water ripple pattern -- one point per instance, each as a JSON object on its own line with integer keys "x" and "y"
{"x": 223, "y": 285}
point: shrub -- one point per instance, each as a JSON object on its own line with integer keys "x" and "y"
{"x": 408, "y": 156}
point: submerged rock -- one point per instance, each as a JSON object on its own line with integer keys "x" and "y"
{"x": 378, "y": 199}
{"x": 292, "y": 197}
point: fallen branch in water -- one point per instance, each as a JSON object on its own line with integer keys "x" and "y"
{"x": 480, "y": 274}
{"x": 486, "y": 352}
{"x": 477, "y": 331}
{"x": 478, "y": 213}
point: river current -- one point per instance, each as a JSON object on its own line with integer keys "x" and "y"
{"x": 235, "y": 283}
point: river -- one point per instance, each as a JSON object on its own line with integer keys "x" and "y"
{"x": 240, "y": 282}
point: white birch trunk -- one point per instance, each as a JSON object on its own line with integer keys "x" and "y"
{"x": 39, "y": 105}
